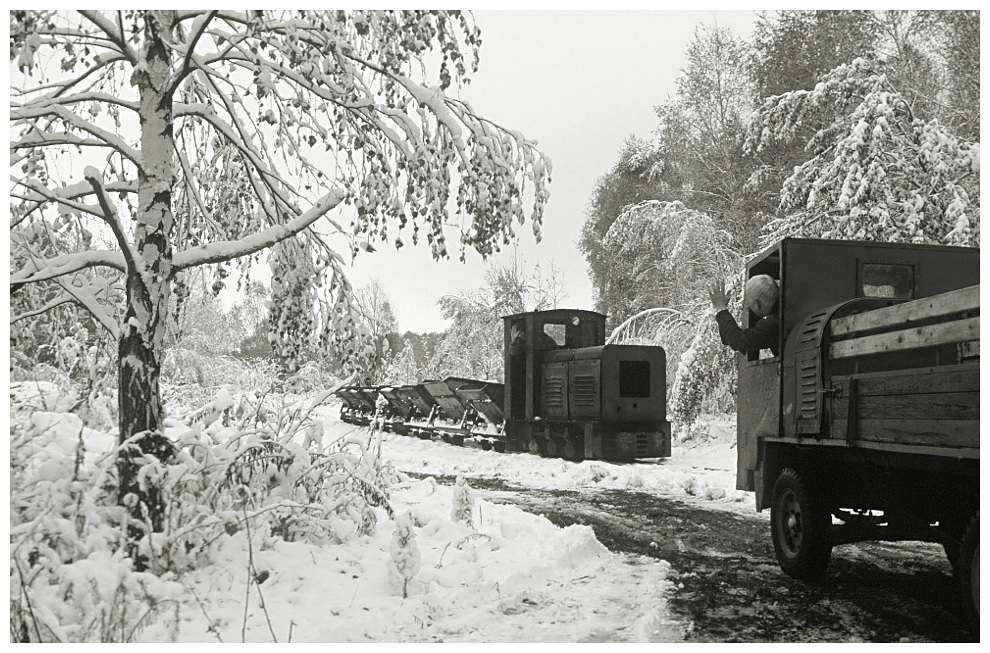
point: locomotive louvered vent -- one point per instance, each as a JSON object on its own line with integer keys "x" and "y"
{"x": 634, "y": 378}
{"x": 642, "y": 444}
{"x": 553, "y": 392}
{"x": 584, "y": 390}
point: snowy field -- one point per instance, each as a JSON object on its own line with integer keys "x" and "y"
{"x": 509, "y": 576}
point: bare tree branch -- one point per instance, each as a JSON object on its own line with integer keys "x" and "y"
{"x": 220, "y": 251}
{"x": 115, "y": 33}
{"x": 110, "y": 216}
{"x": 64, "y": 264}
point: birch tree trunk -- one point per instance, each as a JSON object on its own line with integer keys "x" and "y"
{"x": 148, "y": 288}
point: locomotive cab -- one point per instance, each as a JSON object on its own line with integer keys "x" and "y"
{"x": 528, "y": 339}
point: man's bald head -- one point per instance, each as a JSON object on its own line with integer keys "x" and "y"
{"x": 760, "y": 294}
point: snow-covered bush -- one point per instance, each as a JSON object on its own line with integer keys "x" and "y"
{"x": 462, "y": 503}
{"x": 73, "y": 573}
{"x": 70, "y": 578}
{"x": 705, "y": 376}
{"x": 403, "y": 562}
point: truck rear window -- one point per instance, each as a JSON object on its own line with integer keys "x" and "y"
{"x": 888, "y": 280}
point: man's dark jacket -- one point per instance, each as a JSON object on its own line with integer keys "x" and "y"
{"x": 762, "y": 335}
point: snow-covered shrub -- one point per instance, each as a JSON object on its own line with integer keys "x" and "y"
{"x": 71, "y": 580}
{"x": 73, "y": 574}
{"x": 462, "y": 503}
{"x": 403, "y": 562}
{"x": 714, "y": 493}
{"x": 690, "y": 485}
{"x": 278, "y": 474}
{"x": 182, "y": 365}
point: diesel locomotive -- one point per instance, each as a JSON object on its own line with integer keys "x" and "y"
{"x": 567, "y": 394}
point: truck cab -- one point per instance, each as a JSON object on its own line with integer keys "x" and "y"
{"x": 866, "y": 426}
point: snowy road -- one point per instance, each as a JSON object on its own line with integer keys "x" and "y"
{"x": 729, "y": 587}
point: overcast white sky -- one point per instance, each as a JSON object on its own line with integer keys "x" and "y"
{"x": 579, "y": 83}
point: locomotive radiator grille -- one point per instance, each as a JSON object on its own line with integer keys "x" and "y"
{"x": 553, "y": 392}
{"x": 584, "y": 390}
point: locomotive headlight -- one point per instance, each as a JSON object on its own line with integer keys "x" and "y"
{"x": 575, "y": 320}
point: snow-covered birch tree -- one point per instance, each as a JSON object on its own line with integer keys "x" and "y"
{"x": 176, "y": 139}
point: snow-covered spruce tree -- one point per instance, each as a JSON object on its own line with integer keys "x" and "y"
{"x": 189, "y": 138}
{"x": 878, "y": 170}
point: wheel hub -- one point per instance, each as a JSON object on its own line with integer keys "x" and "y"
{"x": 793, "y": 530}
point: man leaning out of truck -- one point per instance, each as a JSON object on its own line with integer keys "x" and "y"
{"x": 760, "y": 296}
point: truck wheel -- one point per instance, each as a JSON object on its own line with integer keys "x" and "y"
{"x": 952, "y": 554}
{"x": 969, "y": 573}
{"x": 800, "y": 524}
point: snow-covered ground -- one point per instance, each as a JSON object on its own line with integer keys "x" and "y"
{"x": 509, "y": 576}
{"x": 514, "y": 577}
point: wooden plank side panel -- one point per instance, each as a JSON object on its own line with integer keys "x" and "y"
{"x": 934, "y": 406}
{"x": 956, "y": 301}
{"x": 951, "y": 378}
{"x": 928, "y": 433}
{"x": 936, "y": 334}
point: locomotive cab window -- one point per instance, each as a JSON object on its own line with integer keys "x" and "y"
{"x": 557, "y": 333}
{"x": 886, "y": 280}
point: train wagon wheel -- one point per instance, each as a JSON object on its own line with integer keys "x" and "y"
{"x": 969, "y": 573}
{"x": 800, "y": 524}
{"x": 572, "y": 451}
{"x": 534, "y": 447}
{"x": 486, "y": 445}
{"x": 499, "y": 447}
{"x": 555, "y": 447}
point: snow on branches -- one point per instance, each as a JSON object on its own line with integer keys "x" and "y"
{"x": 664, "y": 253}
{"x": 878, "y": 171}
{"x": 665, "y": 256}
{"x": 178, "y": 139}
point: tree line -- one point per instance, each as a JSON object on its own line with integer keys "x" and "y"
{"x": 836, "y": 124}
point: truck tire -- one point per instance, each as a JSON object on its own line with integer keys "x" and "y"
{"x": 969, "y": 573}
{"x": 800, "y": 523}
